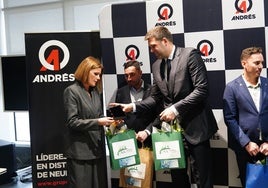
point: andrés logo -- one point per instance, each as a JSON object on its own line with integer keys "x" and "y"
{"x": 52, "y": 62}
{"x": 132, "y": 52}
{"x": 49, "y": 57}
{"x": 242, "y": 8}
{"x": 206, "y": 48}
{"x": 165, "y": 12}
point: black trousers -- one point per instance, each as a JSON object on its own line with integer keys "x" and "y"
{"x": 201, "y": 167}
{"x": 87, "y": 173}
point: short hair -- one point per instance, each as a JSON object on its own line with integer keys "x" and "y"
{"x": 134, "y": 63}
{"x": 82, "y": 72}
{"x": 159, "y": 32}
{"x": 247, "y": 52}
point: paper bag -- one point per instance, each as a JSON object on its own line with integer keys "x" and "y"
{"x": 139, "y": 175}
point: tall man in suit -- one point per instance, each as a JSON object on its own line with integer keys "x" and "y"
{"x": 182, "y": 88}
{"x": 246, "y": 111}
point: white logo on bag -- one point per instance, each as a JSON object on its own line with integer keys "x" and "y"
{"x": 125, "y": 148}
{"x": 167, "y": 150}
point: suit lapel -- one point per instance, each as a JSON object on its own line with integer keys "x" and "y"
{"x": 127, "y": 94}
{"x": 161, "y": 83}
{"x": 167, "y": 88}
{"x": 146, "y": 91}
{"x": 89, "y": 101}
{"x": 174, "y": 68}
{"x": 244, "y": 92}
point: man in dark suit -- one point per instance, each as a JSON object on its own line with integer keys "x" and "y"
{"x": 246, "y": 111}
{"x": 182, "y": 88}
{"x": 136, "y": 90}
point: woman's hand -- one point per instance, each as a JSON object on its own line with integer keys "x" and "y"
{"x": 105, "y": 121}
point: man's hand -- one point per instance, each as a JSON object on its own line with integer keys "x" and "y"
{"x": 125, "y": 107}
{"x": 141, "y": 136}
{"x": 252, "y": 148}
{"x": 167, "y": 115}
{"x": 264, "y": 148}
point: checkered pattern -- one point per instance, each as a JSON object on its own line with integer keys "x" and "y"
{"x": 215, "y": 27}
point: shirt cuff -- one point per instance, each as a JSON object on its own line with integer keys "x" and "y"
{"x": 174, "y": 110}
{"x": 134, "y": 107}
{"x": 148, "y": 132}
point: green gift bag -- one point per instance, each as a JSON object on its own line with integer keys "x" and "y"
{"x": 123, "y": 149}
{"x": 168, "y": 149}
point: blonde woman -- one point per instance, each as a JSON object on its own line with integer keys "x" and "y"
{"x": 85, "y": 149}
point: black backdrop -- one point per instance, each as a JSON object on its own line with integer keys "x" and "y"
{"x": 51, "y": 59}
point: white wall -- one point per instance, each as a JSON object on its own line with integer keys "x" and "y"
{"x": 27, "y": 16}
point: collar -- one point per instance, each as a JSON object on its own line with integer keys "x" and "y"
{"x": 249, "y": 85}
{"x": 172, "y": 53}
{"x": 141, "y": 88}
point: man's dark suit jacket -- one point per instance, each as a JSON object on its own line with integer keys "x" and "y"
{"x": 141, "y": 121}
{"x": 187, "y": 90}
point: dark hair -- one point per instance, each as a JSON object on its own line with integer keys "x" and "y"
{"x": 247, "y": 52}
{"x": 134, "y": 63}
